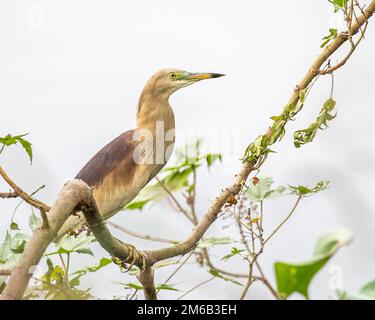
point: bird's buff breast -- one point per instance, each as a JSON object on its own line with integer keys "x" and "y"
{"x": 114, "y": 193}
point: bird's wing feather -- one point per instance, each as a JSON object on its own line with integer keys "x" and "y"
{"x": 115, "y": 176}
{"x": 105, "y": 161}
{"x": 109, "y": 172}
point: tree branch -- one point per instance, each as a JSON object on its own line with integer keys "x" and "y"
{"x": 22, "y": 194}
{"x": 174, "y": 200}
{"x": 115, "y": 247}
{"x": 330, "y": 49}
{"x": 146, "y": 278}
{"x": 72, "y": 193}
{"x": 78, "y": 193}
{"x": 284, "y": 220}
{"x": 8, "y": 195}
{"x": 140, "y": 235}
{"x": 210, "y": 216}
{"x": 5, "y": 272}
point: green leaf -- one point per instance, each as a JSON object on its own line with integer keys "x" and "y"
{"x": 5, "y": 248}
{"x": 26, "y": 145}
{"x": 79, "y": 273}
{"x": 19, "y": 241}
{"x": 217, "y": 274}
{"x": 134, "y": 286}
{"x": 367, "y": 292}
{"x": 262, "y": 190}
{"x": 332, "y": 35}
{"x": 211, "y": 158}
{"x": 338, "y": 4}
{"x": 137, "y": 204}
{"x": 11, "y": 249}
{"x": 75, "y": 282}
{"x": 54, "y": 285}
{"x": 368, "y": 289}
{"x": 306, "y": 191}
{"x": 102, "y": 263}
{"x": 78, "y": 244}
{"x": 307, "y": 135}
{"x": 145, "y": 196}
{"x": 165, "y": 286}
{"x": 214, "y": 241}
{"x": 232, "y": 253}
{"x": 296, "y": 277}
{"x": 34, "y": 222}
{"x": 9, "y": 140}
{"x": 175, "y": 178}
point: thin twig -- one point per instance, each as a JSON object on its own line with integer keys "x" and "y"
{"x": 42, "y": 211}
{"x": 178, "y": 268}
{"x": 192, "y": 198}
{"x": 225, "y": 272}
{"x": 66, "y": 270}
{"x": 8, "y": 195}
{"x": 141, "y": 236}
{"x": 284, "y": 221}
{"x": 195, "y": 287}
{"x": 266, "y": 282}
{"x": 353, "y": 46}
{"x": 134, "y": 294}
{"x": 175, "y": 201}
{"x": 5, "y": 272}
{"x": 262, "y": 277}
{"x": 22, "y": 194}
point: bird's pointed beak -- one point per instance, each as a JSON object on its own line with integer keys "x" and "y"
{"x": 196, "y": 76}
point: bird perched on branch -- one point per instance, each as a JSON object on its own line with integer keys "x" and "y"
{"x": 125, "y": 165}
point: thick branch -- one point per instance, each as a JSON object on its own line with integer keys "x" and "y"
{"x": 72, "y": 194}
{"x": 115, "y": 247}
{"x": 146, "y": 278}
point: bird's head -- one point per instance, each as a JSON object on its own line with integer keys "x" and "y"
{"x": 167, "y": 81}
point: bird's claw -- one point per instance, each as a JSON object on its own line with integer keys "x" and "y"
{"x": 134, "y": 256}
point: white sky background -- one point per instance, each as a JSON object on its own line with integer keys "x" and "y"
{"x": 72, "y": 78}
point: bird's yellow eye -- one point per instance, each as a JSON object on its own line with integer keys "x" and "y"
{"x": 173, "y": 75}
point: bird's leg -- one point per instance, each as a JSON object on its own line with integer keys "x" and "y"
{"x": 134, "y": 256}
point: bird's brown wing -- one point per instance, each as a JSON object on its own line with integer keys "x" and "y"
{"x": 114, "y": 176}
{"x": 106, "y": 161}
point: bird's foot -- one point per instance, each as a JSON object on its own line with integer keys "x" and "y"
{"x": 135, "y": 257}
